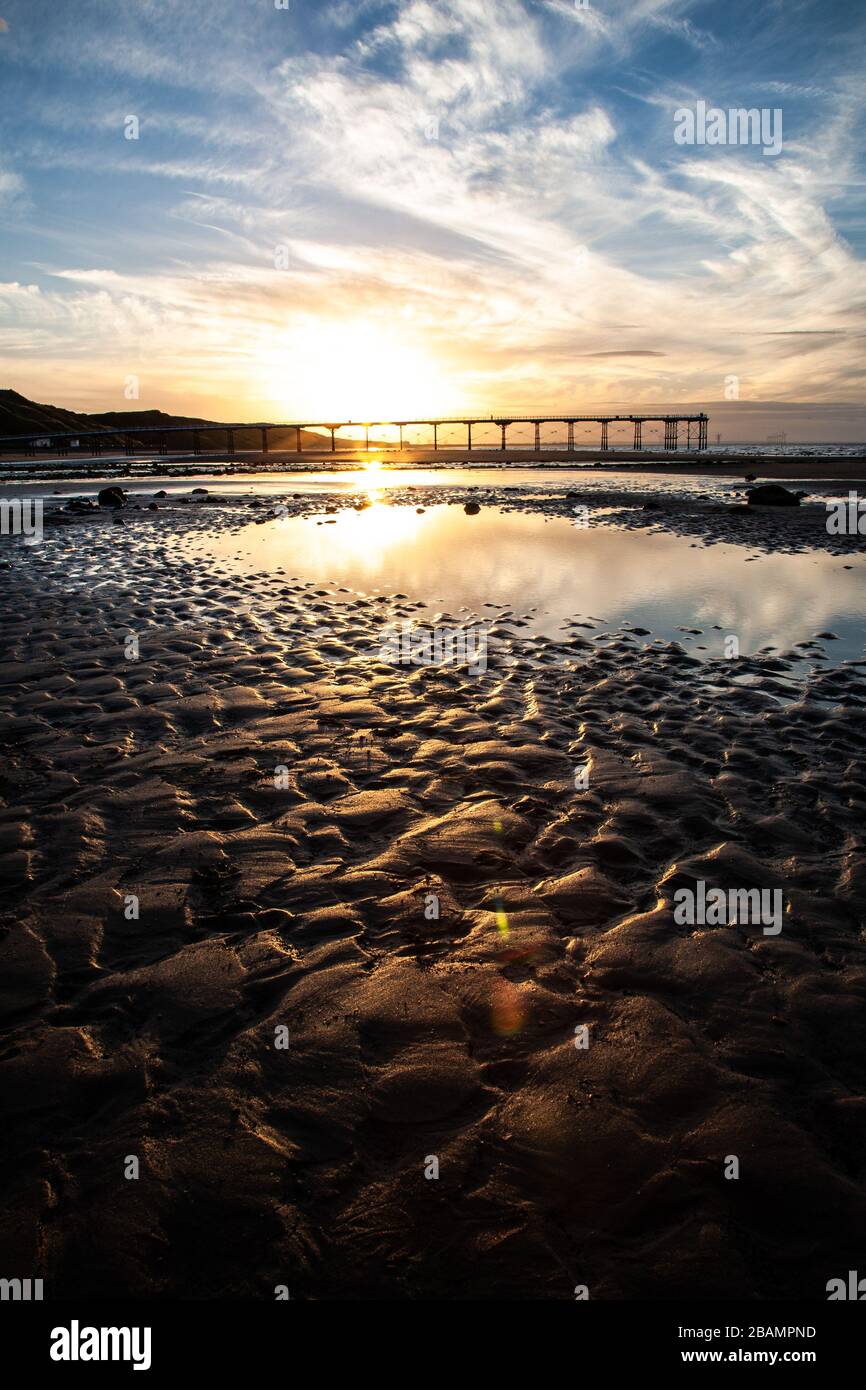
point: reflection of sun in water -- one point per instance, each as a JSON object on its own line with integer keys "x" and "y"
{"x": 373, "y": 471}
{"x": 374, "y": 528}
{"x": 371, "y": 480}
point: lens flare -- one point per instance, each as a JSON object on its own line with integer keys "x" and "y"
{"x": 501, "y": 919}
{"x": 507, "y": 1014}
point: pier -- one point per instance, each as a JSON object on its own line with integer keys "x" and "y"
{"x": 688, "y": 431}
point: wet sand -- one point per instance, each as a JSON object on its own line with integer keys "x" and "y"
{"x": 282, "y": 804}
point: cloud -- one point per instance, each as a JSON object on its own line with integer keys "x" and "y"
{"x": 470, "y": 175}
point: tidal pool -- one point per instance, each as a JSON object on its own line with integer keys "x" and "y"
{"x": 546, "y": 573}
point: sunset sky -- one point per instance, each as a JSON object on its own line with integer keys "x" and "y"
{"x": 350, "y": 209}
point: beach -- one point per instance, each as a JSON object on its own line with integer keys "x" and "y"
{"x": 374, "y": 969}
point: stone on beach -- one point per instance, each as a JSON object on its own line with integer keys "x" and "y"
{"x": 111, "y": 497}
{"x": 773, "y": 495}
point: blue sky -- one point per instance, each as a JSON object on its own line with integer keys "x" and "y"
{"x": 354, "y": 208}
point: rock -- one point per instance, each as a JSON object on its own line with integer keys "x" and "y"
{"x": 162, "y": 493}
{"x": 750, "y": 477}
{"x": 152, "y": 507}
{"x": 472, "y": 509}
{"x": 111, "y": 497}
{"x": 652, "y": 506}
{"x": 118, "y": 520}
{"x": 199, "y": 489}
{"x": 773, "y": 495}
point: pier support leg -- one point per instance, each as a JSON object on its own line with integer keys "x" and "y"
{"x": 502, "y": 427}
{"x": 604, "y": 434}
{"x": 435, "y": 437}
{"x": 674, "y": 429}
{"x": 401, "y": 438}
{"x": 571, "y": 435}
{"x": 637, "y": 435}
{"x": 537, "y": 437}
{"x": 333, "y": 441}
{"x": 299, "y": 448}
{"x": 469, "y": 434}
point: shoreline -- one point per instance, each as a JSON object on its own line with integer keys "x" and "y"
{"x": 829, "y": 467}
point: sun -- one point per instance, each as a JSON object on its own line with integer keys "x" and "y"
{"x": 324, "y": 371}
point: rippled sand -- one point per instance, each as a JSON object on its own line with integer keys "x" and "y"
{"x": 297, "y": 898}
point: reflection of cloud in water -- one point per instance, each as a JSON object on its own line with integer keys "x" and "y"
{"x": 525, "y": 560}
